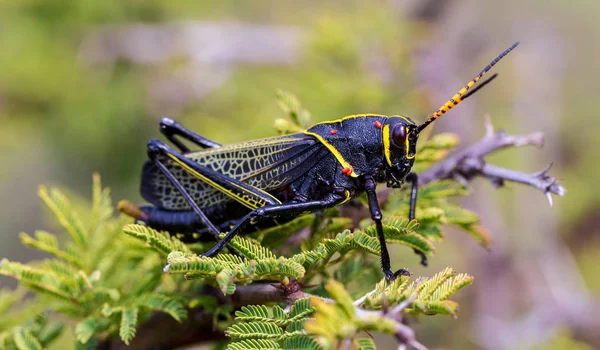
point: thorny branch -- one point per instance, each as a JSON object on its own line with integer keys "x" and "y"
{"x": 469, "y": 163}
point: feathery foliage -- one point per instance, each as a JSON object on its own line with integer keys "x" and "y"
{"x": 432, "y": 293}
{"x": 89, "y": 282}
{"x": 35, "y": 333}
{"x": 279, "y": 329}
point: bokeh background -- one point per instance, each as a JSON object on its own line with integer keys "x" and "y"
{"x": 84, "y": 83}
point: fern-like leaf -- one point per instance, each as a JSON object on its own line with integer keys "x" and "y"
{"x": 67, "y": 217}
{"x": 428, "y": 287}
{"x": 162, "y": 242}
{"x": 291, "y": 106}
{"x": 24, "y": 340}
{"x": 50, "y": 334}
{"x": 304, "y": 342}
{"x": 129, "y": 318}
{"x": 365, "y": 344}
{"x": 254, "y": 344}
{"x": 262, "y": 330}
{"x": 400, "y": 230}
{"x": 432, "y": 293}
{"x": 250, "y": 249}
{"x": 39, "y": 280}
{"x": 89, "y": 327}
{"x": 225, "y": 280}
{"x": 8, "y": 298}
{"x": 445, "y": 307}
{"x": 300, "y": 310}
{"x": 48, "y": 243}
{"x": 261, "y": 313}
{"x": 277, "y": 269}
{"x": 451, "y": 286}
{"x": 159, "y": 302}
{"x": 102, "y": 208}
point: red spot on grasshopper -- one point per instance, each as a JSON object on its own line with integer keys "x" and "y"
{"x": 347, "y": 171}
{"x": 378, "y": 124}
{"x": 333, "y": 132}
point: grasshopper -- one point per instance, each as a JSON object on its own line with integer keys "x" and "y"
{"x": 256, "y": 184}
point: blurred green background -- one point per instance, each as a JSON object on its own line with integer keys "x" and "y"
{"x": 84, "y": 83}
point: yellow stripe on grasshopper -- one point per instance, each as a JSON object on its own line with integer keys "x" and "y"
{"x": 386, "y": 144}
{"x": 334, "y": 151}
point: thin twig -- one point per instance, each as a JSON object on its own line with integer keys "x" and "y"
{"x": 470, "y": 163}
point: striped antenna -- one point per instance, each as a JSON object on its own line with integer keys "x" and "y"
{"x": 462, "y": 94}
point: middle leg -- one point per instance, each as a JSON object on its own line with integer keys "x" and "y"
{"x": 414, "y": 181}
{"x": 285, "y": 210}
{"x": 370, "y": 186}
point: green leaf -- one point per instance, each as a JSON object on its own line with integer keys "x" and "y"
{"x": 431, "y": 293}
{"x": 89, "y": 345}
{"x": 89, "y": 327}
{"x": 342, "y": 297}
{"x": 254, "y": 344}
{"x": 301, "y": 310}
{"x": 451, "y": 286}
{"x": 443, "y": 140}
{"x": 261, "y": 313}
{"x": 304, "y": 342}
{"x": 264, "y": 330}
{"x": 251, "y": 249}
{"x": 102, "y": 208}
{"x": 430, "y": 215}
{"x": 192, "y": 264}
{"x": 276, "y": 269}
{"x": 415, "y": 241}
{"x": 445, "y": 307}
{"x": 442, "y": 189}
{"x": 294, "y": 328}
{"x": 162, "y": 242}
{"x": 40, "y": 280}
{"x": 278, "y": 314}
{"x": 366, "y": 242}
{"x": 365, "y": 344}
{"x": 25, "y": 340}
{"x": 50, "y": 334}
{"x": 48, "y": 243}
{"x": 481, "y": 235}
{"x": 66, "y": 215}
{"x": 460, "y": 216}
{"x": 253, "y": 313}
{"x": 291, "y": 106}
{"x": 225, "y": 281}
{"x": 400, "y": 230}
{"x": 429, "y": 286}
{"x": 129, "y": 318}
{"x": 8, "y": 298}
{"x": 159, "y": 302}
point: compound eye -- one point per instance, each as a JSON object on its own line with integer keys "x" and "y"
{"x": 399, "y": 135}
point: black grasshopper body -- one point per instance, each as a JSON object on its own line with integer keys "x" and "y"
{"x": 256, "y": 184}
{"x": 293, "y": 168}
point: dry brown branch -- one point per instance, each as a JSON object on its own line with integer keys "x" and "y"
{"x": 469, "y": 163}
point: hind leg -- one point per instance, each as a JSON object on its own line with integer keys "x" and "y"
{"x": 171, "y": 129}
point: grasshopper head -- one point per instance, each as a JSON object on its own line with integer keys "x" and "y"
{"x": 399, "y": 148}
{"x": 400, "y": 133}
